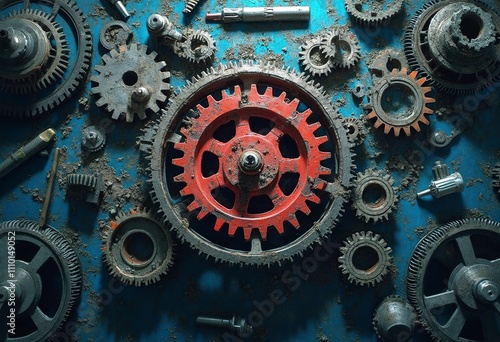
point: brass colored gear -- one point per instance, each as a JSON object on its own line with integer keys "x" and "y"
{"x": 399, "y": 102}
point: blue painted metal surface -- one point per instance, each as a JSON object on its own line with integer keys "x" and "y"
{"x": 320, "y": 305}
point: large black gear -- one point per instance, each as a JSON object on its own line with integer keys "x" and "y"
{"x": 57, "y": 93}
{"x": 44, "y": 259}
{"x": 453, "y": 281}
{"x": 162, "y": 137}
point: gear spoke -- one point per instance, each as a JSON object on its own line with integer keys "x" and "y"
{"x": 466, "y": 250}
{"x": 41, "y": 257}
{"x": 455, "y": 324}
{"x": 39, "y": 318}
{"x": 439, "y": 300}
{"x": 290, "y": 165}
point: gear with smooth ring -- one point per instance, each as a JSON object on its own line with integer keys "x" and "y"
{"x": 130, "y": 82}
{"x": 453, "y": 281}
{"x": 495, "y": 174}
{"x": 314, "y": 60}
{"x": 365, "y": 258}
{"x": 47, "y": 278}
{"x": 60, "y": 77}
{"x": 244, "y": 158}
{"x": 373, "y": 13}
{"x": 356, "y": 131}
{"x": 137, "y": 248}
{"x": 199, "y": 47}
{"x": 454, "y": 44}
{"x": 341, "y": 45}
{"x": 399, "y": 102}
{"x": 57, "y": 56}
{"x": 374, "y": 196}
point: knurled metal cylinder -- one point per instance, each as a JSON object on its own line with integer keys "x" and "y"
{"x": 448, "y": 185}
{"x": 440, "y": 170}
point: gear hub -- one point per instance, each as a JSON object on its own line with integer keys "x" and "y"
{"x": 249, "y": 177}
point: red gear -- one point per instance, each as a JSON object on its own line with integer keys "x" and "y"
{"x": 287, "y": 120}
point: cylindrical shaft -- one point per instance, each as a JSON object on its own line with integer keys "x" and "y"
{"x": 261, "y": 14}
{"x": 50, "y": 185}
{"x": 214, "y": 322}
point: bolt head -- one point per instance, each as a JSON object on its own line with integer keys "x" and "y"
{"x": 251, "y": 162}
{"x": 487, "y": 291}
{"x": 156, "y": 22}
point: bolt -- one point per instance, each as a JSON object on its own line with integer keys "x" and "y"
{"x": 141, "y": 94}
{"x": 251, "y": 162}
{"x": 439, "y": 137}
{"x": 91, "y": 137}
{"x": 487, "y": 291}
{"x": 156, "y": 23}
{"x": 235, "y": 324}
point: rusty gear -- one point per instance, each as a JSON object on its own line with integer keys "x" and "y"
{"x": 355, "y": 254}
{"x": 495, "y": 174}
{"x": 243, "y": 159}
{"x": 356, "y": 132}
{"x": 373, "y": 13}
{"x": 341, "y": 45}
{"x": 385, "y": 62}
{"x": 137, "y": 248}
{"x": 199, "y": 47}
{"x": 386, "y": 97}
{"x": 313, "y": 59}
{"x": 130, "y": 82}
{"x": 453, "y": 281}
{"x": 374, "y": 196}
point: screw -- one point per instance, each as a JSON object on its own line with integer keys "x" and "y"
{"x": 141, "y": 94}
{"x": 156, "y": 23}
{"x": 439, "y": 137}
{"x": 235, "y": 324}
{"x": 251, "y": 162}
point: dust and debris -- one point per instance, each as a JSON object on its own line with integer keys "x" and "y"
{"x": 66, "y": 131}
{"x": 487, "y": 169}
{"x": 455, "y": 165}
{"x": 85, "y": 103}
{"x": 412, "y": 167}
{"x": 98, "y": 11}
{"x": 473, "y": 181}
{"x": 430, "y": 225}
{"x": 475, "y": 213}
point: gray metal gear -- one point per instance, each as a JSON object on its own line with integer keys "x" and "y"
{"x": 168, "y": 136}
{"x": 341, "y": 45}
{"x": 130, "y": 82}
{"x": 44, "y": 260}
{"x": 385, "y": 62}
{"x": 57, "y": 60}
{"x": 356, "y": 131}
{"x": 454, "y": 45}
{"x": 374, "y": 196}
{"x": 373, "y": 13}
{"x": 93, "y": 139}
{"x": 115, "y": 33}
{"x": 463, "y": 257}
{"x": 199, "y": 47}
{"x": 137, "y": 248}
{"x": 18, "y": 105}
{"x": 313, "y": 59}
{"x": 495, "y": 174}
{"x": 394, "y": 319}
{"x": 91, "y": 188}
{"x": 365, "y": 258}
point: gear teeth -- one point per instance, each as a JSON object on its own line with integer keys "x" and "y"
{"x": 373, "y": 18}
{"x": 314, "y": 60}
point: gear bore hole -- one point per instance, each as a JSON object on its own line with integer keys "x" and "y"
{"x": 393, "y": 63}
{"x": 288, "y": 147}
{"x": 209, "y": 164}
{"x": 317, "y": 57}
{"x": 138, "y": 248}
{"x": 225, "y": 132}
{"x": 471, "y": 26}
{"x": 260, "y": 125}
{"x": 288, "y": 182}
{"x": 198, "y": 44}
{"x": 365, "y": 258}
{"x": 374, "y": 195}
{"x": 224, "y": 196}
{"x": 260, "y": 204}
{"x": 398, "y": 100}
{"x": 130, "y": 78}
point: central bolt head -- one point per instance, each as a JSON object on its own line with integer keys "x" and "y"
{"x": 156, "y": 23}
{"x": 487, "y": 291}
{"x": 251, "y": 162}
{"x": 141, "y": 94}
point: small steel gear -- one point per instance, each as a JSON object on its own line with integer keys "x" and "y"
{"x": 47, "y": 278}
{"x": 374, "y": 196}
{"x": 399, "y": 102}
{"x": 199, "y": 47}
{"x": 55, "y": 63}
{"x": 115, "y": 33}
{"x": 130, "y": 82}
{"x": 137, "y": 248}
{"x": 90, "y": 187}
{"x": 313, "y": 59}
{"x": 225, "y": 135}
{"x": 55, "y": 93}
{"x": 385, "y": 62}
{"x": 463, "y": 257}
{"x": 341, "y": 46}
{"x": 93, "y": 139}
{"x": 394, "y": 319}
{"x": 495, "y": 174}
{"x": 454, "y": 45}
{"x": 356, "y": 132}
{"x": 365, "y": 258}
{"x": 373, "y": 13}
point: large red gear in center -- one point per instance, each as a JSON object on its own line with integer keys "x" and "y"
{"x": 229, "y": 175}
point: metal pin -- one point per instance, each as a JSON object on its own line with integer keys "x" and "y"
{"x": 261, "y": 14}
{"x": 120, "y": 7}
{"x": 235, "y": 324}
{"x": 48, "y": 194}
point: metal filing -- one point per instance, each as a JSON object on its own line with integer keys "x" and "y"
{"x": 443, "y": 183}
{"x": 260, "y": 14}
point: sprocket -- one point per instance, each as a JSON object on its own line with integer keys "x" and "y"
{"x": 373, "y": 13}
{"x": 130, "y": 82}
{"x": 234, "y": 112}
